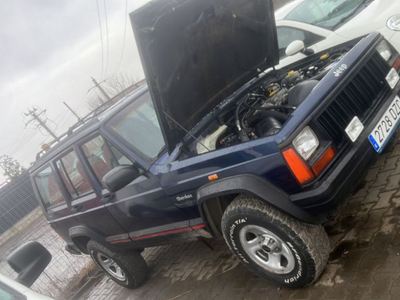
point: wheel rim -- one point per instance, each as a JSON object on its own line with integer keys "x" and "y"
{"x": 111, "y": 267}
{"x": 266, "y": 249}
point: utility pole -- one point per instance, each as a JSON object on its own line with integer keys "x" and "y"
{"x": 101, "y": 89}
{"x": 76, "y": 115}
{"x": 36, "y": 117}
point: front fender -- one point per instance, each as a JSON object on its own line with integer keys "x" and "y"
{"x": 258, "y": 187}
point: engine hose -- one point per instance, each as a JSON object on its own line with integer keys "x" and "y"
{"x": 281, "y": 117}
{"x": 268, "y": 108}
{"x": 242, "y": 135}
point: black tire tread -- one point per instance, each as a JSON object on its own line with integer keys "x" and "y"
{"x": 132, "y": 261}
{"x": 313, "y": 236}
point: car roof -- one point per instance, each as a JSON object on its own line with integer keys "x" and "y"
{"x": 83, "y": 131}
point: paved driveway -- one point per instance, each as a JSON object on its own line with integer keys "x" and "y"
{"x": 364, "y": 262}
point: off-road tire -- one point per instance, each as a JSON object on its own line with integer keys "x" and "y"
{"x": 309, "y": 244}
{"x": 131, "y": 263}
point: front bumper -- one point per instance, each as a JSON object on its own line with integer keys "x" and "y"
{"x": 325, "y": 200}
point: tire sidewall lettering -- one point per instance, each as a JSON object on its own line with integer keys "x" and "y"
{"x": 299, "y": 263}
{"x": 234, "y": 228}
{"x": 232, "y": 240}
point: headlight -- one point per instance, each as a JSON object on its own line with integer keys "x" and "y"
{"x": 394, "y": 23}
{"x": 384, "y": 50}
{"x": 306, "y": 143}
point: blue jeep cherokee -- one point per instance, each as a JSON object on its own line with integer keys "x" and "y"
{"x": 221, "y": 144}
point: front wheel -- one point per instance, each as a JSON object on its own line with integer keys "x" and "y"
{"x": 128, "y": 269}
{"x": 273, "y": 245}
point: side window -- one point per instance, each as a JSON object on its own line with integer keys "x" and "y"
{"x": 103, "y": 158}
{"x": 122, "y": 159}
{"x": 73, "y": 175}
{"x": 286, "y": 35}
{"x": 48, "y": 187}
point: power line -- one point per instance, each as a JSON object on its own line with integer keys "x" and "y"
{"x": 21, "y": 137}
{"x": 66, "y": 121}
{"x": 75, "y": 114}
{"x": 36, "y": 117}
{"x": 101, "y": 89}
{"x": 15, "y": 141}
{"x": 101, "y": 39}
{"x": 23, "y": 144}
{"x": 123, "y": 43}
{"x": 107, "y": 56}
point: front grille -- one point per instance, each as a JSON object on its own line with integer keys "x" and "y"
{"x": 358, "y": 98}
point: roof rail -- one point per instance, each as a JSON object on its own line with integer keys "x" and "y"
{"x": 90, "y": 116}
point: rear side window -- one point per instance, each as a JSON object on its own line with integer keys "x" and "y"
{"x": 48, "y": 187}
{"x": 73, "y": 175}
{"x": 103, "y": 158}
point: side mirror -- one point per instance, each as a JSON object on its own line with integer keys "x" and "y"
{"x": 295, "y": 47}
{"x": 29, "y": 261}
{"x": 120, "y": 177}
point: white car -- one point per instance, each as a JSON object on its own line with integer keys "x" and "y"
{"x": 321, "y": 24}
{"x": 12, "y": 290}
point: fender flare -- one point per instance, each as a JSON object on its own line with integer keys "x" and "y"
{"x": 256, "y": 186}
{"x": 83, "y": 231}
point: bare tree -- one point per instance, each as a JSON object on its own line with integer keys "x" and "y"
{"x": 11, "y": 167}
{"x": 113, "y": 85}
{"x": 95, "y": 101}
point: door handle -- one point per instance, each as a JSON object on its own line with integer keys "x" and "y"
{"x": 106, "y": 198}
{"x": 76, "y": 208}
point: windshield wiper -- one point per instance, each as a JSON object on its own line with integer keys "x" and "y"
{"x": 350, "y": 15}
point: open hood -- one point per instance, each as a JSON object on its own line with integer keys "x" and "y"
{"x": 195, "y": 53}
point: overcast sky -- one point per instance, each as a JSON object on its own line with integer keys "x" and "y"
{"x": 49, "y": 50}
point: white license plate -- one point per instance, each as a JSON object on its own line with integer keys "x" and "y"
{"x": 386, "y": 126}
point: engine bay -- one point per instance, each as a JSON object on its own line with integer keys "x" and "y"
{"x": 267, "y": 106}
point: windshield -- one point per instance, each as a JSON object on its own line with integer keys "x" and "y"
{"x": 325, "y": 13}
{"x": 139, "y": 126}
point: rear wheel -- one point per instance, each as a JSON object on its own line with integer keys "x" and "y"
{"x": 273, "y": 245}
{"x": 128, "y": 269}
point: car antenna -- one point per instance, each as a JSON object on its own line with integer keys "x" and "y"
{"x": 180, "y": 126}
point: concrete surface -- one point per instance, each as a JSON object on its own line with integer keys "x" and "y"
{"x": 364, "y": 262}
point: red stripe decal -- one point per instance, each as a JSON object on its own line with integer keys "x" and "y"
{"x": 120, "y": 241}
{"x": 199, "y": 226}
{"x": 168, "y": 232}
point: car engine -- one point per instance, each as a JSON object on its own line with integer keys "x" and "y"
{"x": 265, "y": 109}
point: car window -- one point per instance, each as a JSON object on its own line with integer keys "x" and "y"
{"x": 138, "y": 125}
{"x": 324, "y": 13}
{"x": 49, "y": 190}
{"x": 122, "y": 159}
{"x": 287, "y": 34}
{"x": 101, "y": 158}
{"x": 7, "y": 293}
{"x": 73, "y": 175}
